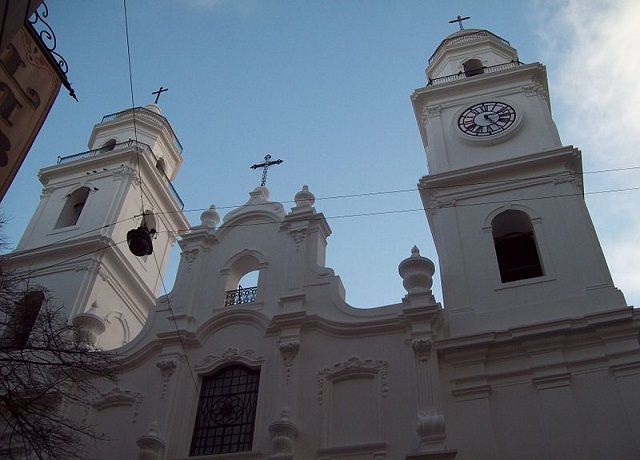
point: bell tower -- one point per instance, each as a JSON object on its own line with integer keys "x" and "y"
{"x": 76, "y": 242}
{"x": 504, "y": 197}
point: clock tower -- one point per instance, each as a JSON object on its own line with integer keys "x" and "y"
{"x": 504, "y": 197}
{"x": 76, "y": 243}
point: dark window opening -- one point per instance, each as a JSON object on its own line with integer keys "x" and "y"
{"x": 73, "y": 208}
{"x": 160, "y": 165}
{"x": 515, "y": 246}
{"x": 473, "y": 67}
{"x": 22, "y": 320}
{"x": 108, "y": 146}
{"x": 226, "y": 412}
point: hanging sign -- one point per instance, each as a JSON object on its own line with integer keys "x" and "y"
{"x": 29, "y": 84}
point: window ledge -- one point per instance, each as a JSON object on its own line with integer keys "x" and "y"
{"x": 69, "y": 228}
{"x": 525, "y": 282}
{"x": 327, "y": 453}
{"x": 254, "y": 454}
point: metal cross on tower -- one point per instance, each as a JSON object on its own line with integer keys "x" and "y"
{"x": 265, "y": 167}
{"x": 459, "y": 21}
{"x": 159, "y": 92}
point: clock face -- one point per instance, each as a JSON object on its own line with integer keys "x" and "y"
{"x": 486, "y": 119}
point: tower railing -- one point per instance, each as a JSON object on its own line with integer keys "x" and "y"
{"x": 240, "y": 296}
{"x": 150, "y": 115}
{"x": 120, "y": 146}
{"x": 460, "y": 75}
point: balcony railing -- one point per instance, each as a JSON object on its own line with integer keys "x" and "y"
{"x": 461, "y": 75}
{"x": 471, "y": 36}
{"x": 123, "y": 145}
{"x": 146, "y": 113}
{"x": 240, "y": 296}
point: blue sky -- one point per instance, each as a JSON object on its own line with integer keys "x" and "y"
{"x": 325, "y": 86}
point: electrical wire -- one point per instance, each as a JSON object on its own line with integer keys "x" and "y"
{"x": 133, "y": 103}
{"x": 342, "y": 216}
{"x": 175, "y": 323}
{"x": 142, "y": 186}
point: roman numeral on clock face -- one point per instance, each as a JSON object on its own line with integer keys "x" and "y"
{"x": 486, "y": 119}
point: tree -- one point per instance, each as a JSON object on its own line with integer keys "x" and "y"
{"x": 45, "y": 369}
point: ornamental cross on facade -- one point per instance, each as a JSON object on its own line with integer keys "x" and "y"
{"x": 162, "y": 90}
{"x": 265, "y": 167}
{"x": 459, "y": 21}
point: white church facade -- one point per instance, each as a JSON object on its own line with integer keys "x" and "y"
{"x": 532, "y": 354}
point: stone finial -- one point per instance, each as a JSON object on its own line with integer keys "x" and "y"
{"x": 417, "y": 273}
{"x": 89, "y": 325}
{"x": 304, "y": 198}
{"x": 431, "y": 430}
{"x": 150, "y": 444}
{"x": 155, "y": 108}
{"x": 210, "y": 217}
{"x": 260, "y": 192}
{"x": 283, "y": 433}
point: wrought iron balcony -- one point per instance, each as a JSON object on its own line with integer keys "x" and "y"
{"x": 123, "y": 145}
{"x": 240, "y": 296}
{"x": 460, "y": 75}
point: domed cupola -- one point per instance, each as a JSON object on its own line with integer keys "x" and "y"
{"x": 469, "y": 52}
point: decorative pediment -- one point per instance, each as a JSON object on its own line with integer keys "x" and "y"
{"x": 210, "y": 362}
{"x": 118, "y": 397}
{"x": 352, "y": 368}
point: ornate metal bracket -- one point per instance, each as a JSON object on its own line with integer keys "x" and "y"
{"x": 44, "y": 31}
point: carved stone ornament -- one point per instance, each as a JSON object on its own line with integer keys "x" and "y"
{"x": 119, "y": 397}
{"x": 535, "y": 90}
{"x": 289, "y": 350}
{"x": 190, "y": 256}
{"x": 432, "y": 111}
{"x": 167, "y": 368}
{"x": 298, "y": 236}
{"x": 46, "y": 191}
{"x": 230, "y": 354}
{"x": 568, "y": 178}
{"x": 422, "y": 347}
{"x": 127, "y": 173}
{"x": 353, "y": 366}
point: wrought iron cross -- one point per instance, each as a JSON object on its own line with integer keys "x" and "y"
{"x": 459, "y": 21}
{"x": 265, "y": 167}
{"x": 159, "y": 92}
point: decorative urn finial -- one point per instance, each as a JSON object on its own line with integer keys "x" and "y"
{"x": 210, "y": 217}
{"x": 417, "y": 273}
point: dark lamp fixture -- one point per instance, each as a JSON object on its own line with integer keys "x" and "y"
{"x": 139, "y": 241}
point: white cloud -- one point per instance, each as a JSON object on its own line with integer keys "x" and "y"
{"x": 592, "y": 46}
{"x": 591, "y": 49}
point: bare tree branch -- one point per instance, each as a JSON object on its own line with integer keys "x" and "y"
{"x": 43, "y": 371}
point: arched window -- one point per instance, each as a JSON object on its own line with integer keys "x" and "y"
{"x": 108, "y": 146}
{"x": 226, "y": 412}
{"x": 160, "y": 165}
{"x": 515, "y": 245}
{"x": 242, "y": 281}
{"x": 73, "y": 208}
{"x": 473, "y": 67}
